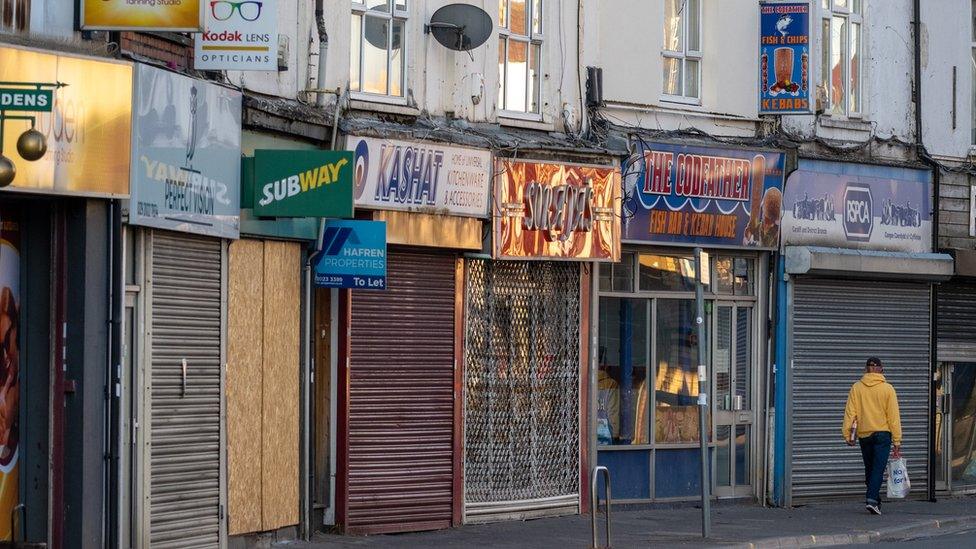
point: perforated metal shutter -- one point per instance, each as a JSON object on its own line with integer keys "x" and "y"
{"x": 836, "y": 326}
{"x": 184, "y": 427}
{"x": 522, "y": 375}
{"x": 401, "y": 398}
{"x": 957, "y": 321}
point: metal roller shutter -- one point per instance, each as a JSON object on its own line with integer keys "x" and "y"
{"x": 401, "y": 398}
{"x": 836, "y": 326}
{"x": 957, "y": 321}
{"x": 185, "y": 427}
{"x": 522, "y": 376}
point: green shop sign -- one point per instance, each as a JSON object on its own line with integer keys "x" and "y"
{"x": 36, "y": 100}
{"x": 302, "y": 183}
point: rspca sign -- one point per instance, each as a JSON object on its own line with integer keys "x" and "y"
{"x": 858, "y": 213}
{"x": 352, "y": 254}
{"x": 860, "y": 206}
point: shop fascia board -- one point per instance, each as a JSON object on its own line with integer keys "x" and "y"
{"x": 812, "y": 260}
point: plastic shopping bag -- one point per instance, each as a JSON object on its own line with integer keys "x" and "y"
{"x": 898, "y": 483}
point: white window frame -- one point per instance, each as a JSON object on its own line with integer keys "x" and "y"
{"x": 532, "y": 38}
{"x": 397, "y": 13}
{"x": 684, "y": 55}
{"x": 853, "y": 13}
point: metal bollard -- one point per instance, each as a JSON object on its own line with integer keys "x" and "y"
{"x": 594, "y": 503}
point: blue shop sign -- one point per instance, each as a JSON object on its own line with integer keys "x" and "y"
{"x": 352, "y": 255}
{"x": 703, "y": 196}
{"x": 784, "y": 58}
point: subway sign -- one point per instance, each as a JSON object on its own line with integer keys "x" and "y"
{"x": 302, "y": 183}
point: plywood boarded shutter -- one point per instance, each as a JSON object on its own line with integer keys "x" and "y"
{"x": 400, "y": 461}
{"x": 836, "y": 326}
{"x": 185, "y": 410}
{"x": 262, "y": 385}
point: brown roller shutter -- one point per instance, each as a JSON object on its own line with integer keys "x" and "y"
{"x": 400, "y": 463}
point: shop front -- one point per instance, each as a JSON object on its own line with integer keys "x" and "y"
{"x": 678, "y": 197}
{"x": 398, "y": 439}
{"x": 859, "y": 269}
{"x": 58, "y": 210}
{"x": 526, "y": 324}
{"x": 183, "y": 212}
{"x": 955, "y": 405}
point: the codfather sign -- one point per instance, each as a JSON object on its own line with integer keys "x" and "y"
{"x": 858, "y": 216}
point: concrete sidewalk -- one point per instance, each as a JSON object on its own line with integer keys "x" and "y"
{"x": 738, "y": 525}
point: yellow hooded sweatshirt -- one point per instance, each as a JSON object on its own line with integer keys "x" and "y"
{"x": 873, "y": 402}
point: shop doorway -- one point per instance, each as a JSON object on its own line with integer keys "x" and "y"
{"x": 956, "y": 426}
{"x": 732, "y": 367}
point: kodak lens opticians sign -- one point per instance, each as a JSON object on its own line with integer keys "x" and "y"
{"x": 165, "y": 15}
{"x": 13, "y": 99}
{"x": 302, "y": 183}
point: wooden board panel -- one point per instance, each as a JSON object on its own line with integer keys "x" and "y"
{"x": 282, "y": 310}
{"x": 323, "y": 393}
{"x": 244, "y": 385}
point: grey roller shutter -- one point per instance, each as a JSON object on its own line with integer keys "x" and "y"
{"x": 522, "y": 378}
{"x": 836, "y": 326}
{"x": 185, "y": 426}
{"x": 957, "y": 321}
{"x": 401, "y": 398}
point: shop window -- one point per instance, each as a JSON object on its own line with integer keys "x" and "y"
{"x": 519, "y": 55}
{"x": 622, "y": 400}
{"x": 734, "y": 276}
{"x": 618, "y": 277}
{"x": 376, "y": 58}
{"x": 676, "y": 373}
{"x": 665, "y": 273}
{"x": 840, "y": 43}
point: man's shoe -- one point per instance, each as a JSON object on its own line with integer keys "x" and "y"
{"x": 873, "y": 508}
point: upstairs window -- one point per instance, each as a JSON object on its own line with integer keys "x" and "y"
{"x": 840, "y": 43}
{"x": 682, "y": 49}
{"x": 519, "y": 55}
{"x": 376, "y": 58}
{"x": 14, "y": 15}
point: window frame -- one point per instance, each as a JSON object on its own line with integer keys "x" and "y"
{"x": 531, "y": 38}
{"x": 399, "y": 11}
{"x": 684, "y": 56}
{"x": 853, "y": 14}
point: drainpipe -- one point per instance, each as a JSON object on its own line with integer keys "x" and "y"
{"x": 933, "y": 307}
{"x": 323, "y": 51}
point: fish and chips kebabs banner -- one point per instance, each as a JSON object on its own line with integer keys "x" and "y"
{"x": 703, "y": 196}
{"x": 784, "y": 58}
{"x": 556, "y": 211}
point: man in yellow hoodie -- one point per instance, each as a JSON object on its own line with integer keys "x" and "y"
{"x": 872, "y": 406}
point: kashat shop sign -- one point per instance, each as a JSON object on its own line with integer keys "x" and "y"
{"x": 556, "y": 211}
{"x": 428, "y": 177}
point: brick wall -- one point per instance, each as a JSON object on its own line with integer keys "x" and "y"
{"x": 175, "y": 52}
{"x": 954, "y": 211}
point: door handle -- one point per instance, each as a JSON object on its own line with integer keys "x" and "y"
{"x": 737, "y": 402}
{"x": 183, "y": 386}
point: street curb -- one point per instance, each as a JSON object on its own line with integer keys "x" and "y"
{"x": 896, "y": 533}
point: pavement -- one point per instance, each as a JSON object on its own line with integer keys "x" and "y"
{"x": 733, "y": 525}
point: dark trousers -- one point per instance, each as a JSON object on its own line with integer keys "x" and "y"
{"x": 875, "y": 450}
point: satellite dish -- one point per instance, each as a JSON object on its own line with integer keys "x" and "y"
{"x": 460, "y": 27}
{"x": 375, "y": 29}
